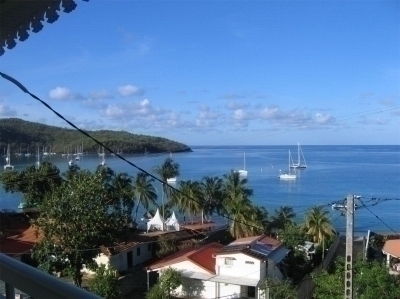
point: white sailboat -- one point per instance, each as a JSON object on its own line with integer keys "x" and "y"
{"x": 8, "y": 166}
{"x": 174, "y": 179}
{"x": 28, "y": 154}
{"x": 243, "y": 172}
{"x": 103, "y": 160}
{"x": 288, "y": 175}
{"x": 38, "y": 157}
{"x": 301, "y": 161}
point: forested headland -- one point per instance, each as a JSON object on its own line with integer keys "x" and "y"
{"x": 26, "y": 136}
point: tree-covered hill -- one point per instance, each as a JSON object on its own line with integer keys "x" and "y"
{"x": 27, "y": 136}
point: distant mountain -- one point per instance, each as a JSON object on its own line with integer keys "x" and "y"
{"x": 27, "y": 136}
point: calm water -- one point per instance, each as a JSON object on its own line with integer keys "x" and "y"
{"x": 332, "y": 173}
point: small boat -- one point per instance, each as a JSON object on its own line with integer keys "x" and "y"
{"x": 173, "y": 179}
{"x": 28, "y": 154}
{"x": 103, "y": 160}
{"x": 243, "y": 172}
{"x": 288, "y": 175}
{"x": 71, "y": 163}
{"x": 8, "y": 166}
{"x": 38, "y": 158}
{"x": 301, "y": 161}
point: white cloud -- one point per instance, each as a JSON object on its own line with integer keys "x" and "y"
{"x": 324, "y": 119}
{"x": 143, "y": 109}
{"x": 63, "y": 94}
{"x": 130, "y": 90}
{"x": 5, "y": 110}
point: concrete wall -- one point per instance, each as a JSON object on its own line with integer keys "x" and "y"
{"x": 243, "y": 265}
{"x": 120, "y": 261}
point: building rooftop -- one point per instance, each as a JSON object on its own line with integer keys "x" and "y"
{"x": 392, "y": 247}
{"x": 259, "y": 247}
{"x": 201, "y": 256}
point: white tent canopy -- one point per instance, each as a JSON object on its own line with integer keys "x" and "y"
{"x": 157, "y": 222}
{"x": 172, "y": 223}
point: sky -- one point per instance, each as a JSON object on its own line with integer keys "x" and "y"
{"x": 216, "y": 72}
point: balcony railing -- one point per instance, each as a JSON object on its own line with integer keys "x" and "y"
{"x": 36, "y": 283}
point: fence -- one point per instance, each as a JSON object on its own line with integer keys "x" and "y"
{"x": 306, "y": 286}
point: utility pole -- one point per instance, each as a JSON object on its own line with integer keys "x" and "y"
{"x": 348, "y": 282}
{"x": 349, "y": 208}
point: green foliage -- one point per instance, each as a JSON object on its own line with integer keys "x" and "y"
{"x": 166, "y": 246}
{"x": 371, "y": 280}
{"x": 318, "y": 225}
{"x": 105, "y": 283}
{"x": 168, "y": 281}
{"x": 281, "y": 217}
{"x": 33, "y": 182}
{"x": 292, "y": 235}
{"x": 76, "y": 218}
{"x": 278, "y": 289}
{"x": 29, "y": 135}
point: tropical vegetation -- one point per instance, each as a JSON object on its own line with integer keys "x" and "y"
{"x": 371, "y": 280}
{"x": 27, "y": 136}
{"x": 168, "y": 281}
{"x": 105, "y": 283}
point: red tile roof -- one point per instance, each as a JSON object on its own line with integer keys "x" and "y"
{"x": 21, "y": 243}
{"x": 392, "y": 247}
{"x": 201, "y": 256}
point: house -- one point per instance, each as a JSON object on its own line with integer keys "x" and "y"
{"x": 392, "y": 251}
{"x": 18, "y": 236}
{"x": 136, "y": 249}
{"x": 233, "y": 271}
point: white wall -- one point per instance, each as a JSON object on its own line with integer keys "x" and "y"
{"x": 120, "y": 261}
{"x": 195, "y": 287}
{"x": 240, "y": 268}
{"x": 230, "y": 291}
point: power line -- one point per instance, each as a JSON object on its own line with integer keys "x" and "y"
{"x": 379, "y": 218}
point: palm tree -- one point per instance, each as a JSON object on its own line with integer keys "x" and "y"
{"x": 238, "y": 206}
{"x": 168, "y": 169}
{"x": 211, "y": 188}
{"x": 318, "y": 224}
{"x": 188, "y": 198}
{"x": 144, "y": 192}
{"x": 284, "y": 215}
{"x": 122, "y": 193}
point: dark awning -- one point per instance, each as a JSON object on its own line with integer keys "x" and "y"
{"x": 20, "y": 17}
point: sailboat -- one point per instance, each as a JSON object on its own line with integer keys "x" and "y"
{"x": 38, "y": 158}
{"x": 28, "y": 154}
{"x": 103, "y": 160}
{"x": 8, "y": 166}
{"x": 288, "y": 175}
{"x": 173, "y": 179}
{"x": 243, "y": 172}
{"x": 301, "y": 162}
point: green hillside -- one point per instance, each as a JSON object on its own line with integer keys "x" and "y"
{"x": 27, "y": 136}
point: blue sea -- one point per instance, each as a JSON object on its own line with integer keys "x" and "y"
{"x": 333, "y": 172}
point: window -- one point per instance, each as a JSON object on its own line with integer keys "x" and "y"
{"x": 138, "y": 251}
{"x": 149, "y": 247}
{"x": 229, "y": 261}
{"x": 251, "y": 292}
{"x": 249, "y": 262}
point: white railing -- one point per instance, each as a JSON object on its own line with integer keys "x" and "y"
{"x": 36, "y": 283}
